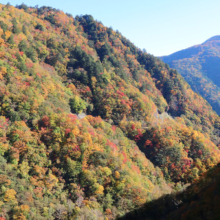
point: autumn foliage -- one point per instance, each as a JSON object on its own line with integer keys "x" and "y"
{"x": 90, "y": 125}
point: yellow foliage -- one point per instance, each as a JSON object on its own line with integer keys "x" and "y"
{"x": 24, "y": 168}
{"x": 1, "y": 41}
{"x": 77, "y": 209}
{"x": 88, "y": 138}
{"x": 117, "y": 175}
{"x": 40, "y": 170}
{"x": 107, "y": 171}
{"x": 18, "y": 38}
{"x": 94, "y": 81}
{"x": 61, "y": 68}
{"x": 3, "y": 71}
{"x": 1, "y": 32}
{"x": 51, "y": 181}
{"x": 75, "y": 131}
{"x": 34, "y": 181}
{"x": 7, "y": 34}
{"x": 52, "y": 205}
{"x": 8, "y": 182}
{"x": 25, "y": 208}
{"x": 10, "y": 195}
{"x": 99, "y": 190}
{"x": 2, "y": 54}
{"x": 72, "y": 88}
{"x": 20, "y": 217}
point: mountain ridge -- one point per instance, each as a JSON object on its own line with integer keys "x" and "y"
{"x": 145, "y": 134}
{"x": 199, "y": 66}
{"x": 216, "y": 37}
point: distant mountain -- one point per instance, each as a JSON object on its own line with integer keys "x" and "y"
{"x": 200, "y": 66}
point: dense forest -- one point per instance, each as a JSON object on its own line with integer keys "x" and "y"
{"x": 199, "y": 201}
{"x": 92, "y": 127}
{"x": 200, "y": 66}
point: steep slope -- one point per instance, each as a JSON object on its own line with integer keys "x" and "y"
{"x": 199, "y": 201}
{"x": 58, "y": 166}
{"x": 54, "y": 165}
{"x": 200, "y": 66}
{"x": 181, "y": 102}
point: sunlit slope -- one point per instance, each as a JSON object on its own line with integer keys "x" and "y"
{"x": 145, "y": 132}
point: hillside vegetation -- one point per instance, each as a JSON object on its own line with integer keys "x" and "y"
{"x": 199, "y": 201}
{"x": 145, "y": 134}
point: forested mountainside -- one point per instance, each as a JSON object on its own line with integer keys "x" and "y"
{"x": 199, "y": 201}
{"x": 200, "y": 66}
{"x": 146, "y": 134}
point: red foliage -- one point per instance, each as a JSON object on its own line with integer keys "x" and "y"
{"x": 88, "y": 89}
{"x": 91, "y": 131}
{"x": 38, "y": 74}
{"x": 76, "y": 148}
{"x": 138, "y": 136}
{"x": 27, "y": 83}
{"x": 114, "y": 128}
{"x": 135, "y": 168}
{"x": 45, "y": 121}
{"x": 123, "y": 102}
{"x": 132, "y": 126}
{"x": 200, "y": 152}
{"x": 4, "y": 124}
{"x": 157, "y": 146}
{"x": 120, "y": 93}
{"x": 29, "y": 65}
{"x": 125, "y": 157}
{"x": 73, "y": 117}
{"x": 187, "y": 161}
{"x": 14, "y": 153}
{"x": 68, "y": 130}
{"x": 173, "y": 166}
{"x": 148, "y": 143}
{"x": 112, "y": 145}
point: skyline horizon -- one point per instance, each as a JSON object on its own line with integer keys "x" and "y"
{"x": 166, "y": 36}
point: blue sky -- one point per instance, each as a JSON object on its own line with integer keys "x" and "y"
{"x": 160, "y": 26}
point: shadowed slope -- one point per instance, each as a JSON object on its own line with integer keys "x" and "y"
{"x": 200, "y": 66}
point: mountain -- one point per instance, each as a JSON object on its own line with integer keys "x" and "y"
{"x": 199, "y": 201}
{"x": 92, "y": 127}
{"x": 200, "y": 66}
